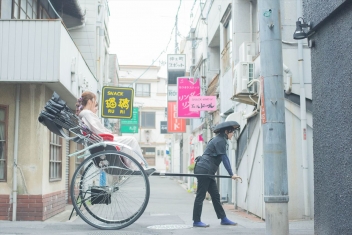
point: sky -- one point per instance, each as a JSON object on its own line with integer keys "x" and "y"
{"x": 140, "y": 30}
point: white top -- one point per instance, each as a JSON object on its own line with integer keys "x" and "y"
{"x": 93, "y": 122}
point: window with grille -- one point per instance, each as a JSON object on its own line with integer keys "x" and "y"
{"x": 148, "y": 119}
{"x": 3, "y": 142}
{"x": 143, "y": 89}
{"x": 25, "y": 9}
{"x": 55, "y": 163}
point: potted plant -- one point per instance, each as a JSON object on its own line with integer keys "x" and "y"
{"x": 191, "y": 167}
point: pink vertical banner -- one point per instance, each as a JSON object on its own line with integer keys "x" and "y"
{"x": 187, "y": 87}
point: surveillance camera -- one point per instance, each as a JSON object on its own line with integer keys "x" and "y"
{"x": 223, "y": 115}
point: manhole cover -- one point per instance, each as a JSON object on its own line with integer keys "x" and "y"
{"x": 170, "y": 226}
{"x": 115, "y": 232}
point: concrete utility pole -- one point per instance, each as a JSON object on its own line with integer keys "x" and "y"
{"x": 273, "y": 119}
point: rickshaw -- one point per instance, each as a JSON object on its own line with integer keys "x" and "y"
{"x": 110, "y": 189}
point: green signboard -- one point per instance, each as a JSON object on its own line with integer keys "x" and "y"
{"x": 117, "y": 102}
{"x": 133, "y": 120}
{"x": 129, "y": 129}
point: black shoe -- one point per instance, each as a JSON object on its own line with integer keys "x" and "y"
{"x": 149, "y": 171}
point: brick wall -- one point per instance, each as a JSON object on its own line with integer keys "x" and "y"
{"x": 5, "y": 207}
{"x": 33, "y": 207}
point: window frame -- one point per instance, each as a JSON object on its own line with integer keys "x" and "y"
{"x": 143, "y": 119}
{"x": 23, "y": 5}
{"x": 6, "y": 122}
{"x": 137, "y": 94}
{"x": 57, "y": 162}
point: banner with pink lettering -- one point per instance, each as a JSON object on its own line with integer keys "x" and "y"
{"x": 186, "y": 88}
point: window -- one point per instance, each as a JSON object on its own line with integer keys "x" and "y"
{"x": 55, "y": 163}
{"x": 148, "y": 119}
{"x": 227, "y": 39}
{"x": 143, "y": 89}
{"x": 25, "y": 9}
{"x": 43, "y": 14}
{"x": 3, "y": 141}
{"x": 149, "y": 155}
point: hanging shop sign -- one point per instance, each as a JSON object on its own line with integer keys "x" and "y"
{"x": 172, "y": 93}
{"x": 262, "y": 101}
{"x": 174, "y": 124}
{"x": 129, "y": 129}
{"x": 186, "y": 88}
{"x": 176, "y": 62}
{"x": 176, "y": 67}
{"x": 163, "y": 127}
{"x": 130, "y": 125}
{"x": 117, "y": 102}
{"x": 133, "y": 121}
{"x": 202, "y": 103}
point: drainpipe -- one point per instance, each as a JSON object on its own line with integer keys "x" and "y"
{"x": 233, "y": 154}
{"x": 100, "y": 46}
{"x": 303, "y": 120}
{"x": 250, "y": 21}
{"x": 15, "y": 154}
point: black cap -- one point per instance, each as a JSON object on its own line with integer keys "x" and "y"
{"x": 223, "y": 125}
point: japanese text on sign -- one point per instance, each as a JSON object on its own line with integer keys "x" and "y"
{"x": 174, "y": 124}
{"x": 202, "y": 103}
{"x": 262, "y": 102}
{"x": 117, "y": 102}
{"x": 176, "y": 62}
{"x": 187, "y": 87}
{"x": 163, "y": 127}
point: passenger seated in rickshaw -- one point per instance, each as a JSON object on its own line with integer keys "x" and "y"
{"x": 86, "y": 108}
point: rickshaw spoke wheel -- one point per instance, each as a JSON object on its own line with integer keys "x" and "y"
{"x": 110, "y": 190}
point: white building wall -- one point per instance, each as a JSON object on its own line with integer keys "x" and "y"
{"x": 86, "y": 37}
{"x": 43, "y": 51}
{"x": 35, "y": 59}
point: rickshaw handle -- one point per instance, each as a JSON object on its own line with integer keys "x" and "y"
{"x": 194, "y": 175}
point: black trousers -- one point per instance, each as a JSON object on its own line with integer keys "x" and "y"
{"x": 206, "y": 184}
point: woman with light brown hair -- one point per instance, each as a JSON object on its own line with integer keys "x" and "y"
{"x": 86, "y": 108}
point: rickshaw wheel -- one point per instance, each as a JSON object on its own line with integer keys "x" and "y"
{"x": 110, "y": 190}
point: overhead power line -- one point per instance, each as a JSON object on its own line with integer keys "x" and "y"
{"x": 163, "y": 51}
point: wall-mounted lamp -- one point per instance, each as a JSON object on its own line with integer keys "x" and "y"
{"x": 299, "y": 32}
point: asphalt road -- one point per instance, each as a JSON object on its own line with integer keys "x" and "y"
{"x": 169, "y": 211}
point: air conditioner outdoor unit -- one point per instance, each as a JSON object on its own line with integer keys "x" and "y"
{"x": 243, "y": 74}
{"x": 246, "y": 52}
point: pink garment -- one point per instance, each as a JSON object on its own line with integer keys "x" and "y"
{"x": 94, "y": 124}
